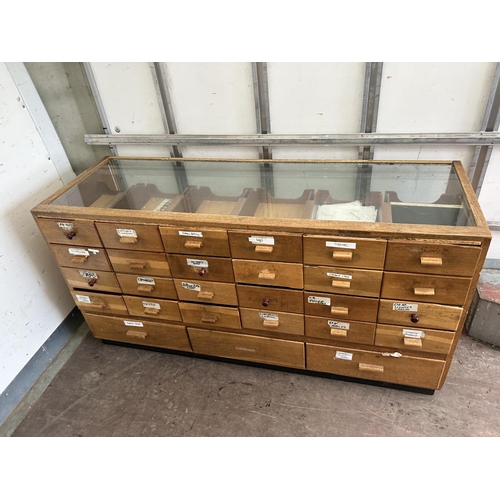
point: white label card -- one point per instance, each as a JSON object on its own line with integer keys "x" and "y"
{"x": 193, "y": 234}
{"x": 84, "y": 298}
{"x": 152, "y": 305}
{"x": 145, "y": 281}
{"x": 341, "y": 244}
{"x": 197, "y": 263}
{"x": 413, "y": 334}
{"x": 397, "y": 306}
{"x": 78, "y": 251}
{"x": 67, "y": 226}
{"x": 93, "y": 250}
{"x": 273, "y": 317}
{"x": 343, "y": 276}
{"x": 191, "y": 286}
{"x": 343, "y": 355}
{"x": 133, "y": 323}
{"x": 323, "y": 301}
{"x": 339, "y": 325}
{"x": 130, "y": 233}
{"x": 261, "y": 240}
{"x": 88, "y": 274}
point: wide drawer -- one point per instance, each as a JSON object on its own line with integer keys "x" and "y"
{"x": 281, "y": 247}
{"x": 69, "y": 232}
{"x": 154, "y": 264}
{"x": 249, "y": 348}
{"x": 268, "y": 273}
{"x": 350, "y": 252}
{"x": 405, "y": 370}
{"x": 348, "y": 331}
{"x": 130, "y": 236}
{"x": 211, "y": 292}
{"x": 450, "y": 260}
{"x": 139, "y": 332}
{"x": 205, "y": 269}
{"x": 100, "y": 302}
{"x": 272, "y": 299}
{"x": 341, "y": 306}
{"x": 255, "y": 319}
{"x": 343, "y": 280}
{"x": 101, "y": 281}
{"x": 147, "y": 286}
{"x": 195, "y": 241}
{"x": 208, "y": 315}
{"x": 424, "y": 340}
{"x": 153, "y": 308}
{"x": 419, "y": 315}
{"x": 81, "y": 257}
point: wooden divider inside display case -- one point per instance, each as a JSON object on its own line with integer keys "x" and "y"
{"x": 201, "y": 200}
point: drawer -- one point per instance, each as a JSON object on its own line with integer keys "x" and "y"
{"x": 341, "y": 306}
{"x": 449, "y": 260}
{"x": 208, "y": 315}
{"x": 195, "y": 241}
{"x": 406, "y": 370}
{"x": 101, "y": 281}
{"x": 350, "y": 252}
{"x": 343, "y": 280}
{"x": 248, "y": 348}
{"x": 69, "y": 232}
{"x": 100, "y": 303}
{"x": 154, "y": 264}
{"x": 147, "y": 286}
{"x": 268, "y": 273}
{"x": 211, "y": 292}
{"x": 424, "y": 340}
{"x": 130, "y": 236}
{"x": 81, "y": 257}
{"x": 206, "y": 269}
{"x": 419, "y": 315}
{"x": 272, "y": 299}
{"x": 255, "y": 319}
{"x": 425, "y": 288}
{"x": 139, "y": 332}
{"x": 348, "y": 331}
{"x": 282, "y": 247}
{"x": 153, "y": 308}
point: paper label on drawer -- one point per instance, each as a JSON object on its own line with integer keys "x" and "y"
{"x": 413, "y": 334}
{"x": 273, "y": 317}
{"x": 193, "y": 234}
{"x": 93, "y": 250}
{"x": 152, "y": 305}
{"x": 191, "y": 286}
{"x": 133, "y": 323}
{"x": 261, "y": 240}
{"x": 341, "y": 244}
{"x": 339, "y": 325}
{"x": 197, "y": 263}
{"x": 130, "y": 233}
{"x": 397, "y": 306}
{"x": 88, "y": 274}
{"x": 84, "y": 298}
{"x": 324, "y": 301}
{"x": 145, "y": 281}
{"x": 343, "y": 355}
{"x": 343, "y": 276}
{"x": 66, "y": 226}
{"x": 78, "y": 251}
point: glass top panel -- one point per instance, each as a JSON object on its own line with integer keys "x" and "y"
{"x": 368, "y": 192}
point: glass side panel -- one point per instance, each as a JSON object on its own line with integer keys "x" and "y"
{"x": 392, "y": 192}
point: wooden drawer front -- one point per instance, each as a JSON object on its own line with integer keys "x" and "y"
{"x": 423, "y": 315}
{"x": 146, "y": 263}
{"x": 268, "y": 273}
{"x": 248, "y": 348}
{"x": 425, "y": 288}
{"x": 153, "y": 308}
{"x": 348, "y": 331}
{"x": 349, "y": 252}
{"x": 270, "y": 299}
{"x": 208, "y": 315}
{"x": 255, "y": 319}
{"x": 147, "y": 286}
{"x": 424, "y": 340}
{"x": 342, "y": 307}
{"x": 343, "y": 280}
{"x": 210, "y": 292}
{"x": 449, "y": 260}
{"x": 69, "y": 232}
{"x": 139, "y": 332}
{"x": 282, "y": 247}
{"x": 201, "y": 268}
{"x": 406, "y": 370}
{"x": 131, "y": 237}
{"x": 100, "y": 281}
{"x": 195, "y": 241}
{"x": 100, "y": 303}
{"x": 81, "y": 257}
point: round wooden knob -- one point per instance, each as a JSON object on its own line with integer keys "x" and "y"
{"x": 203, "y": 271}
{"x": 414, "y": 318}
{"x": 92, "y": 282}
{"x": 265, "y": 302}
{"x": 70, "y": 235}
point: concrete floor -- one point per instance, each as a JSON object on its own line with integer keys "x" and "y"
{"x": 107, "y": 390}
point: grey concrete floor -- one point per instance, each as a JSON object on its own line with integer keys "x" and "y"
{"x": 107, "y": 390}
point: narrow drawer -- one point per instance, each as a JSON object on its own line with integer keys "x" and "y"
{"x": 270, "y": 299}
{"x": 343, "y": 280}
{"x": 350, "y": 252}
{"x": 139, "y": 332}
{"x": 248, "y": 348}
{"x": 341, "y": 306}
{"x": 154, "y": 264}
{"x": 202, "y": 269}
{"x": 147, "y": 286}
{"x": 281, "y": 247}
{"x": 348, "y": 331}
{"x": 100, "y": 281}
{"x": 425, "y": 288}
{"x": 268, "y": 273}
{"x": 449, "y": 260}
{"x": 406, "y": 370}
{"x": 282, "y": 322}
{"x": 69, "y": 232}
{"x": 208, "y": 315}
{"x": 81, "y": 257}
{"x": 100, "y": 303}
{"x": 419, "y": 315}
{"x": 130, "y": 236}
{"x": 153, "y": 308}
{"x": 195, "y": 241}
{"x": 424, "y": 340}
{"x": 210, "y": 292}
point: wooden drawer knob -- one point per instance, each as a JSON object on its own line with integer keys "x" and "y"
{"x": 137, "y": 264}
{"x": 263, "y": 248}
{"x": 414, "y": 318}
{"x": 209, "y": 318}
{"x": 128, "y": 239}
{"x": 97, "y": 305}
{"x": 338, "y": 332}
{"x": 341, "y": 284}
{"x": 365, "y": 367}
{"x": 202, "y": 271}
{"x": 431, "y": 261}
{"x": 339, "y": 311}
{"x": 271, "y": 323}
{"x": 342, "y": 255}
{"x": 193, "y": 244}
{"x": 79, "y": 259}
{"x": 413, "y": 342}
{"x": 137, "y": 335}
{"x": 151, "y": 310}
{"x": 424, "y": 291}
{"x": 266, "y": 275}
{"x": 145, "y": 288}
{"x": 70, "y": 235}
{"x": 265, "y": 302}
{"x": 205, "y": 295}
{"x": 92, "y": 282}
